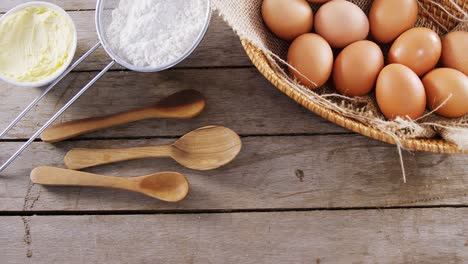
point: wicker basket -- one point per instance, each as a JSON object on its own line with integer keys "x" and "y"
{"x": 431, "y": 145}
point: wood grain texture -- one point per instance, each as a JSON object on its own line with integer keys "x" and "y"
{"x": 390, "y": 236}
{"x": 341, "y": 171}
{"x": 65, "y": 4}
{"x": 236, "y": 98}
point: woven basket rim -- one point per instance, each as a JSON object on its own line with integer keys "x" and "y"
{"x": 260, "y": 61}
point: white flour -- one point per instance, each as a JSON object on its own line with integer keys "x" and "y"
{"x": 155, "y": 32}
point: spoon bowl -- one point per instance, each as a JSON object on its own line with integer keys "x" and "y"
{"x": 207, "y": 148}
{"x": 182, "y": 105}
{"x": 168, "y": 186}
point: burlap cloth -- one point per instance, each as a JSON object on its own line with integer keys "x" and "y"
{"x": 244, "y": 16}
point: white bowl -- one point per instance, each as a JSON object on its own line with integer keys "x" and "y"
{"x": 54, "y": 76}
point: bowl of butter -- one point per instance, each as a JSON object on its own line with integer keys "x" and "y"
{"x": 37, "y": 43}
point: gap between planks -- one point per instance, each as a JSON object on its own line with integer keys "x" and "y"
{"x": 20, "y": 140}
{"x": 181, "y": 68}
{"x": 221, "y": 211}
{"x": 68, "y": 10}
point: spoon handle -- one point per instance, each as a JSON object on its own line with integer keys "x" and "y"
{"x": 62, "y": 177}
{"x": 75, "y": 128}
{"x": 81, "y": 158}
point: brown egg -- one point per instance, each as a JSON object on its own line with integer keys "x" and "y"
{"x": 418, "y": 48}
{"x": 443, "y": 83}
{"x": 357, "y": 67}
{"x": 311, "y": 55}
{"x": 455, "y": 51}
{"x": 318, "y": 1}
{"x": 288, "y": 19}
{"x": 389, "y": 19}
{"x": 400, "y": 92}
{"x": 341, "y": 23}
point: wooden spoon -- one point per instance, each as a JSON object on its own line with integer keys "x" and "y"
{"x": 165, "y": 186}
{"x": 205, "y": 148}
{"x": 182, "y": 105}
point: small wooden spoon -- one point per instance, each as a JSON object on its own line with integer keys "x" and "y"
{"x": 182, "y": 105}
{"x": 165, "y": 186}
{"x": 205, "y": 148}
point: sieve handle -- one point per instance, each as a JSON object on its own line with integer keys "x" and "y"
{"x": 56, "y": 115}
{"x": 48, "y": 89}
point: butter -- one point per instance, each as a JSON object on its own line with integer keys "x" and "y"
{"x": 35, "y": 42}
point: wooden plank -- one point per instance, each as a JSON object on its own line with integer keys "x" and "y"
{"x": 341, "y": 171}
{"x": 363, "y": 236}
{"x": 66, "y": 4}
{"x": 238, "y": 98}
{"x": 220, "y": 47}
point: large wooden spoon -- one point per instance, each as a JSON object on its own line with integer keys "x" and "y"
{"x": 165, "y": 186}
{"x": 182, "y": 105}
{"x": 205, "y": 148}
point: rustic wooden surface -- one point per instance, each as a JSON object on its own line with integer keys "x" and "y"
{"x": 353, "y": 236}
{"x": 301, "y": 191}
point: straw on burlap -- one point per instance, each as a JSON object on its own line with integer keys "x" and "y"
{"x": 358, "y": 114}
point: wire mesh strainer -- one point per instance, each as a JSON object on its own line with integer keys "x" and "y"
{"x": 104, "y": 10}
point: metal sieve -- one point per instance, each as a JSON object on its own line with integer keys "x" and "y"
{"x": 104, "y": 10}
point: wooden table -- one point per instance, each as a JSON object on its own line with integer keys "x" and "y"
{"x": 302, "y": 190}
